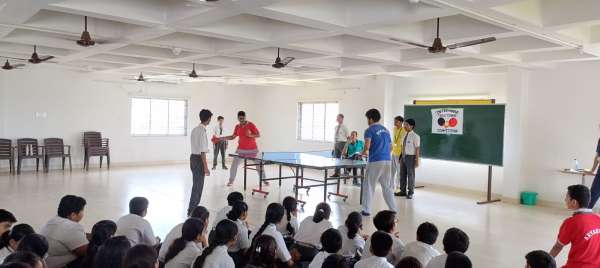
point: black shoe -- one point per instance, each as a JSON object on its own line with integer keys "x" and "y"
{"x": 215, "y": 167}
{"x": 400, "y": 194}
{"x": 366, "y": 214}
{"x": 409, "y": 196}
{"x": 225, "y": 167}
{"x": 355, "y": 183}
{"x": 336, "y": 175}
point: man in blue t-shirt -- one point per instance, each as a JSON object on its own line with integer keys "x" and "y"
{"x": 379, "y": 168}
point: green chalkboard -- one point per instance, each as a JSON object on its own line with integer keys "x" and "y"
{"x": 482, "y": 139}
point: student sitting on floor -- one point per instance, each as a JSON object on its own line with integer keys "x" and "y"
{"x": 331, "y": 240}
{"x": 25, "y": 257}
{"x": 289, "y": 225}
{"x": 263, "y": 254}
{"x": 379, "y": 250}
{"x": 353, "y": 242}
{"x": 7, "y": 219}
{"x": 336, "y": 261}
{"x": 454, "y": 240}
{"x": 141, "y": 256}
{"x": 308, "y": 237}
{"x": 66, "y": 238}
{"x": 35, "y": 243}
{"x": 423, "y": 249}
{"x": 222, "y": 213}
{"x": 409, "y": 262}
{"x": 10, "y": 240}
{"x": 539, "y": 259}
{"x": 101, "y": 231}
{"x": 215, "y": 255}
{"x": 184, "y": 250}
{"x": 198, "y": 212}
{"x": 385, "y": 221}
{"x": 112, "y": 253}
{"x": 582, "y": 231}
{"x": 273, "y": 216}
{"x": 238, "y": 214}
{"x": 133, "y": 225}
{"x": 458, "y": 260}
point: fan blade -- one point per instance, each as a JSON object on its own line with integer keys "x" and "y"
{"x": 18, "y": 65}
{"x": 13, "y": 58}
{"x": 409, "y": 42}
{"x": 256, "y": 63}
{"x": 287, "y": 60}
{"x": 471, "y": 43}
{"x": 46, "y": 58}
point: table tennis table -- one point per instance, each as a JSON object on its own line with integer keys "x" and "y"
{"x": 299, "y": 161}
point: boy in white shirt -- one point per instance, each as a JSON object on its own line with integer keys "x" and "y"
{"x": 423, "y": 249}
{"x": 332, "y": 243}
{"x": 66, "y": 238}
{"x": 454, "y": 240}
{"x": 380, "y": 248}
{"x": 133, "y": 225}
{"x": 231, "y": 199}
{"x": 385, "y": 221}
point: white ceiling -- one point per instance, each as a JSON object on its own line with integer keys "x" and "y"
{"x": 330, "y": 39}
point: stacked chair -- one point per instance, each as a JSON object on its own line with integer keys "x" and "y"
{"x": 95, "y": 145}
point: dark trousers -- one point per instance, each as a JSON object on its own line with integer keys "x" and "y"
{"x": 220, "y": 146}
{"x": 407, "y": 174}
{"x": 337, "y": 152}
{"x": 595, "y": 190}
{"x": 354, "y": 170}
{"x": 197, "y": 168}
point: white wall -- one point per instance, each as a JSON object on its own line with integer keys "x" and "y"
{"x": 76, "y": 102}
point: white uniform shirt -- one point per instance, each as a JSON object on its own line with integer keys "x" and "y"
{"x": 282, "y": 252}
{"x": 4, "y": 252}
{"x": 221, "y": 215}
{"x": 186, "y": 257}
{"x": 395, "y": 254}
{"x": 282, "y": 226}
{"x": 243, "y": 241}
{"x": 310, "y": 232}
{"x": 219, "y": 132}
{"x": 199, "y": 140}
{"x": 63, "y": 237}
{"x": 422, "y": 251}
{"x": 317, "y": 262}
{"x": 373, "y": 262}
{"x": 137, "y": 229}
{"x": 411, "y": 143}
{"x": 341, "y": 133}
{"x": 171, "y": 236}
{"x": 438, "y": 262}
{"x": 351, "y": 246}
{"x": 219, "y": 258}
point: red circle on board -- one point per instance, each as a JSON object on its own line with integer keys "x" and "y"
{"x": 453, "y": 122}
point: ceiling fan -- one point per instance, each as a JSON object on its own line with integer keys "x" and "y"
{"x": 438, "y": 47}
{"x": 8, "y": 66}
{"x": 279, "y": 63}
{"x": 141, "y": 78}
{"x": 193, "y": 73}
{"x": 35, "y": 58}
{"x": 86, "y": 38}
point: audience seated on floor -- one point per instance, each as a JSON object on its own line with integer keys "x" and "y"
{"x": 112, "y": 253}
{"x": 353, "y": 242}
{"x": 380, "y": 248}
{"x": 35, "y": 243}
{"x": 331, "y": 241}
{"x": 133, "y": 225}
{"x": 222, "y": 213}
{"x": 198, "y": 212}
{"x": 454, "y": 240}
{"x": 409, "y": 262}
{"x": 7, "y": 219}
{"x": 423, "y": 249}
{"x": 308, "y": 237}
{"x": 336, "y": 261}
{"x": 273, "y": 216}
{"x": 458, "y": 260}
{"x": 141, "y": 256}
{"x": 215, "y": 255}
{"x": 263, "y": 253}
{"x": 10, "y": 240}
{"x": 238, "y": 214}
{"x": 184, "y": 250}
{"x": 539, "y": 259}
{"x": 101, "y": 231}
{"x": 289, "y": 225}
{"x": 385, "y": 221}
{"x": 25, "y": 257}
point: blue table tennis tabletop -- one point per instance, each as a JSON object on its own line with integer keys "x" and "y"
{"x": 311, "y": 159}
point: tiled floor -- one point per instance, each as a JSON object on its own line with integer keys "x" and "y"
{"x": 501, "y": 234}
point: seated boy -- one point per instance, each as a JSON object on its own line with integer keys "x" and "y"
{"x": 458, "y": 260}
{"x": 133, "y": 225}
{"x": 7, "y": 219}
{"x": 539, "y": 259}
{"x": 454, "y": 240}
{"x": 423, "y": 249}
{"x": 582, "y": 231}
{"x": 379, "y": 249}
{"x": 66, "y": 238}
{"x": 353, "y": 150}
{"x": 385, "y": 221}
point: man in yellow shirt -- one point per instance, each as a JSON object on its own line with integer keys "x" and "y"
{"x": 397, "y": 139}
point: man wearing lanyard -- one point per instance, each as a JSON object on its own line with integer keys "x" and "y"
{"x": 198, "y": 164}
{"x": 340, "y": 138}
{"x": 220, "y": 144}
{"x": 409, "y": 159}
{"x": 247, "y": 133}
{"x": 596, "y": 184}
{"x": 582, "y": 231}
{"x": 399, "y": 134}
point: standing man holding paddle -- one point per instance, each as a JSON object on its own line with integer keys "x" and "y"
{"x": 247, "y": 133}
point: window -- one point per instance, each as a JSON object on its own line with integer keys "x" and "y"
{"x": 316, "y": 120}
{"x": 158, "y": 117}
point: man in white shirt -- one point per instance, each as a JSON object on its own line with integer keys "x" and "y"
{"x": 219, "y": 142}
{"x": 133, "y": 225}
{"x": 409, "y": 159}
{"x": 423, "y": 249}
{"x": 198, "y": 164}
{"x": 341, "y": 137}
{"x": 67, "y": 241}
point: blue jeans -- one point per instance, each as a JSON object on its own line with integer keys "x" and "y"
{"x": 595, "y": 189}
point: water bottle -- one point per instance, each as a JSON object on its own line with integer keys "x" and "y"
{"x": 576, "y": 164}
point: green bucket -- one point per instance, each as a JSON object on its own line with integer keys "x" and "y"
{"x": 529, "y": 198}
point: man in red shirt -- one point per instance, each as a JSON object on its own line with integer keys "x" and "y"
{"x": 247, "y": 133}
{"x": 582, "y": 231}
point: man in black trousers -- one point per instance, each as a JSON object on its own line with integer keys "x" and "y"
{"x": 198, "y": 164}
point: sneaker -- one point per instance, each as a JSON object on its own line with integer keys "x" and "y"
{"x": 364, "y": 213}
{"x": 400, "y": 194}
{"x": 229, "y": 184}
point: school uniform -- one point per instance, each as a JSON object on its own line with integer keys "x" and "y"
{"x": 220, "y": 146}
{"x": 199, "y": 146}
{"x": 219, "y": 258}
{"x": 63, "y": 237}
{"x": 243, "y": 240}
{"x": 317, "y": 262}
{"x": 379, "y": 168}
{"x": 437, "y": 262}
{"x": 4, "y": 252}
{"x": 582, "y": 232}
{"x": 351, "y": 246}
{"x": 283, "y": 254}
{"x": 421, "y": 251}
{"x": 282, "y": 226}
{"x": 395, "y": 254}
{"x": 186, "y": 257}
{"x": 221, "y": 215}
{"x": 171, "y": 236}
{"x": 408, "y": 162}
{"x": 310, "y": 232}
{"x": 373, "y": 262}
{"x": 137, "y": 229}
{"x": 397, "y": 140}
